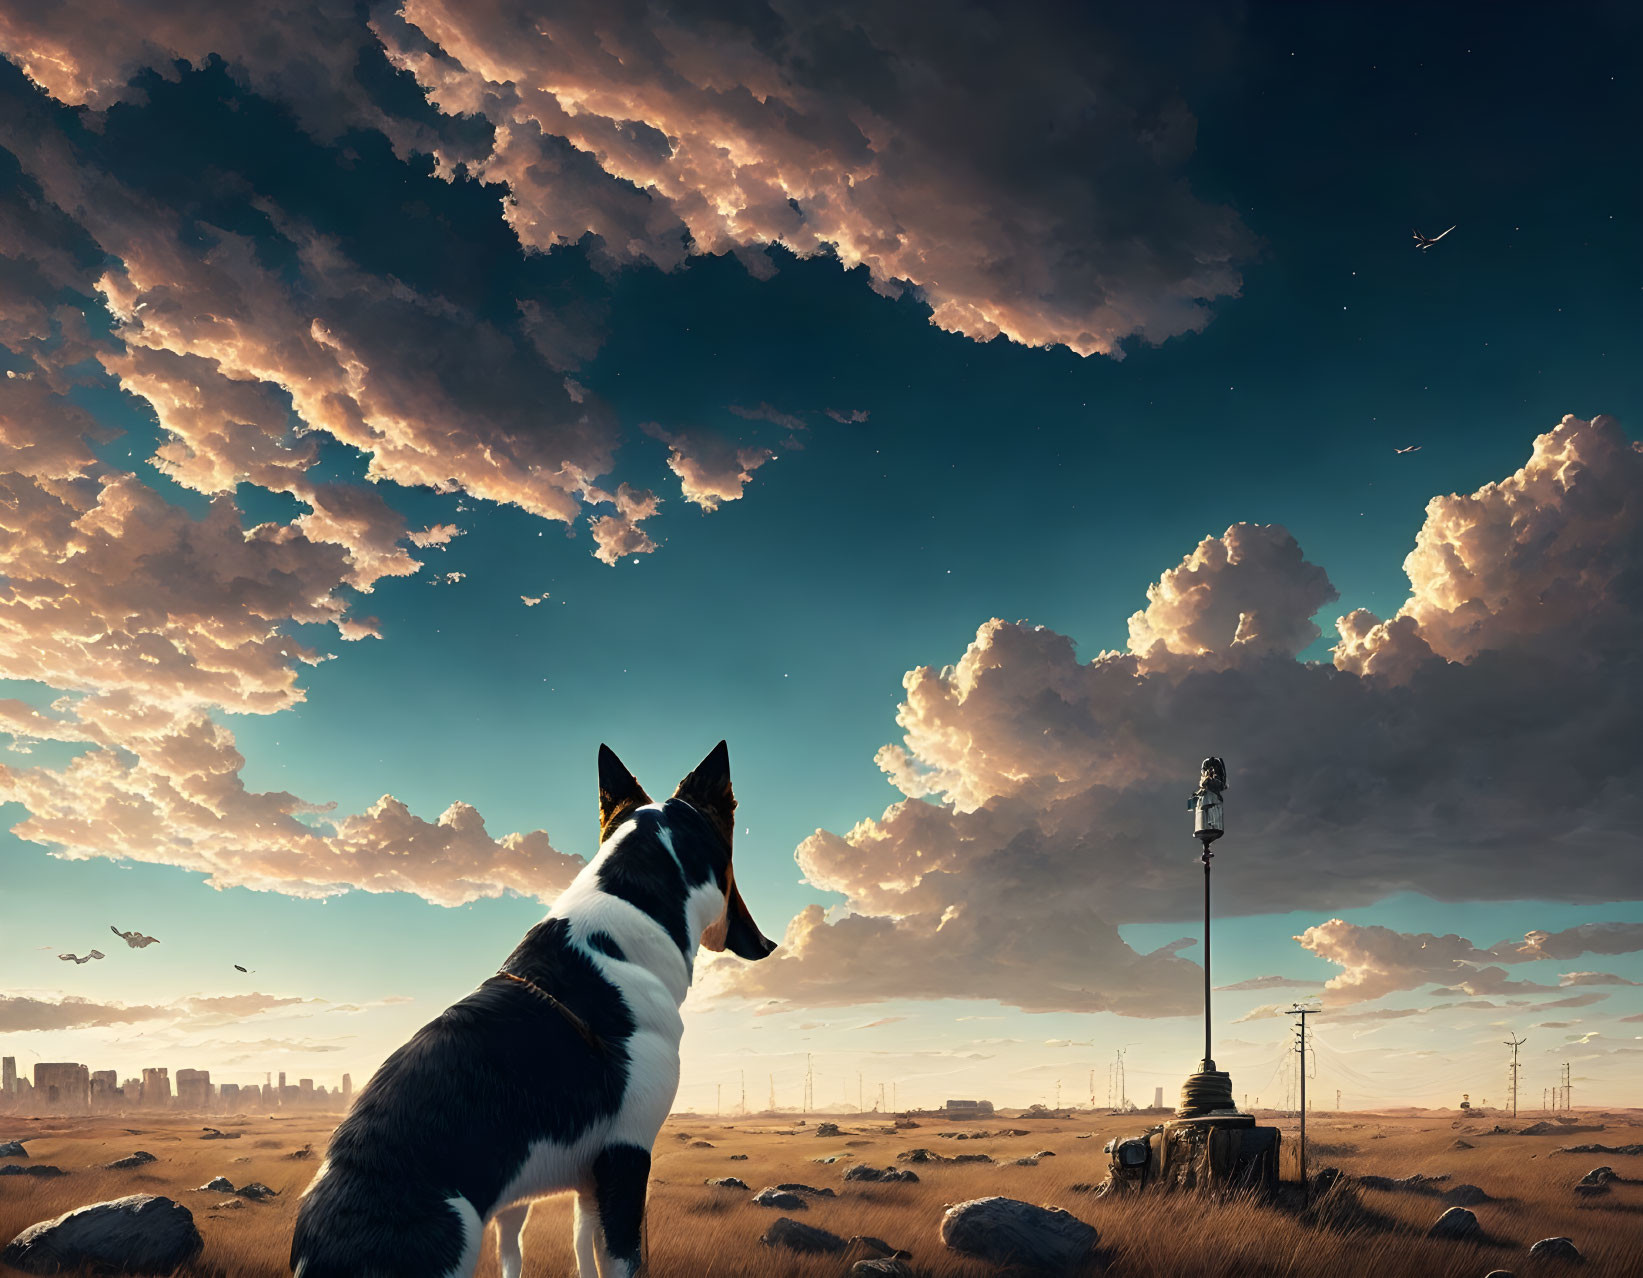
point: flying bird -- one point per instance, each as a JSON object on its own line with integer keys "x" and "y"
{"x": 136, "y": 940}
{"x": 238, "y": 968}
{"x": 1423, "y": 242}
{"x": 76, "y": 959}
{"x": 1413, "y": 448}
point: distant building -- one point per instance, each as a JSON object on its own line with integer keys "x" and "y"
{"x": 105, "y": 1089}
{"x": 156, "y": 1089}
{"x": 347, "y": 1088}
{"x": 8, "y": 1076}
{"x": 62, "y": 1087}
{"x": 194, "y": 1090}
{"x": 968, "y": 1108}
{"x": 228, "y": 1097}
{"x": 1158, "y": 1098}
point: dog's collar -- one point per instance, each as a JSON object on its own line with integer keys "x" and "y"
{"x": 577, "y": 1023}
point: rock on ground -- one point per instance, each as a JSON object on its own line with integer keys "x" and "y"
{"x": 1008, "y": 1231}
{"x": 792, "y": 1187}
{"x": 727, "y": 1182}
{"x": 827, "y": 1129}
{"x": 863, "y": 1172}
{"x": 1457, "y": 1222}
{"x": 1599, "y": 1176}
{"x": 770, "y": 1196}
{"x": 1556, "y": 1249}
{"x": 211, "y": 1133}
{"x": 38, "y": 1169}
{"x": 1466, "y": 1196}
{"x": 1462, "y": 1144}
{"x": 140, "y": 1234}
{"x": 220, "y": 1184}
{"x": 797, "y": 1236}
{"x": 12, "y": 1149}
{"x": 133, "y": 1160}
{"x": 256, "y": 1189}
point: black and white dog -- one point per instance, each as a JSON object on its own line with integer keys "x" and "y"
{"x": 555, "y": 1074}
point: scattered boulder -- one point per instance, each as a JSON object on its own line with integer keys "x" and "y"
{"x": 140, "y": 1234}
{"x": 905, "y": 1123}
{"x": 257, "y": 1191}
{"x": 794, "y": 1188}
{"x": 13, "y": 1148}
{"x": 867, "y": 1247}
{"x": 738, "y": 1158}
{"x": 701, "y": 1144}
{"x": 211, "y": 1133}
{"x": 1462, "y": 1144}
{"x": 797, "y": 1236}
{"x": 773, "y": 1197}
{"x": 920, "y": 1155}
{"x": 827, "y": 1129}
{"x": 1599, "y": 1176}
{"x": 1556, "y": 1249}
{"x": 1457, "y": 1222}
{"x": 221, "y": 1184}
{"x": 1599, "y": 1149}
{"x": 307, "y": 1151}
{"x": 1007, "y": 1231}
{"x": 229, "y": 1204}
{"x": 971, "y": 1158}
{"x": 1045, "y": 1153}
{"x": 861, "y": 1171}
{"x": 1025, "y": 1162}
{"x": 43, "y": 1170}
{"x": 133, "y": 1160}
{"x": 1465, "y": 1196}
{"x": 1417, "y": 1182}
{"x": 727, "y": 1182}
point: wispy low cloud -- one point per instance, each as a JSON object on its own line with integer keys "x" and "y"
{"x": 22, "y": 1014}
{"x": 1378, "y": 960}
{"x": 1033, "y": 781}
{"x": 1270, "y": 983}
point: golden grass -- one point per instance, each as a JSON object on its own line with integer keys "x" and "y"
{"x": 698, "y": 1232}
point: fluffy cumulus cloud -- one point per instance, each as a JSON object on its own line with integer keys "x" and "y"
{"x": 711, "y": 468}
{"x": 1060, "y": 216}
{"x": 1491, "y": 756}
{"x": 1378, "y": 960}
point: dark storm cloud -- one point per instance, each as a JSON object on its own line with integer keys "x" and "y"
{"x": 1056, "y": 213}
{"x": 1479, "y": 745}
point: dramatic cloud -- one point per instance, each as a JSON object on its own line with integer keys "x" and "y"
{"x": 1378, "y": 960}
{"x": 20, "y": 1014}
{"x": 711, "y": 469}
{"x": 1037, "y": 784}
{"x": 619, "y": 534}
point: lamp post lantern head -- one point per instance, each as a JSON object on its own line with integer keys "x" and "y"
{"x": 1208, "y": 819}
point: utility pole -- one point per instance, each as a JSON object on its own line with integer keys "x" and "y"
{"x": 1568, "y": 1104}
{"x": 809, "y": 1083}
{"x": 895, "y": 1104}
{"x": 1092, "y": 1089}
{"x": 1337, "y": 1100}
{"x": 772, "y": 1093}
{"x": 1514, "y": 1043}
{"x": 861, "y": 1105}
{"x": 744, "y": 1091}
{"x": 1300, "y": 1049}
{"x": 718, "y": 1098}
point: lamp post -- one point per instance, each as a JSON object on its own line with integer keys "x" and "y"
{"x": 1209, "y": 1089}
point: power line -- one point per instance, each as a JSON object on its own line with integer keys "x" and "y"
{"x": 1514, "y": 1043}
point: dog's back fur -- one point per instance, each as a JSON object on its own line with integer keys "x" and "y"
{"x": 506, "y": 1097}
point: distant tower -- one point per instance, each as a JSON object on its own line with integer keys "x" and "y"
{"x": 8, "y": 1076}
{"x": 347, "y": 1087}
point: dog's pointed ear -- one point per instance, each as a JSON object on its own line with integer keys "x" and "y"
{"x": 707, "y": 789}
{"x": 619, "y": 793}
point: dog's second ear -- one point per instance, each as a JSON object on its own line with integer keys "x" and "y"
{"x": 619, "y": 793}
{"x": 707, "y": 789}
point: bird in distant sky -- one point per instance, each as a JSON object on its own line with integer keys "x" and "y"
{"x": 238, "y": 968}
{"x": 77, "y": 959}
{"x": 1413, "y": 448}
{"x": 1423, "y": 242}
{"x": 136, "y": 940}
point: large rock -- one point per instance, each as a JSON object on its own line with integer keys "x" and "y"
{"x": 13, "y": 1149}
{"x": 257, "y": 1190}
{"x": 1465, "y": 1196}
{"x": 773, "y": 1197}
{"x": 797, "y": 1236}
{"x": 1007, "y": 1231}
{"x": 861, "y": 1171}
{"x": 792, "y": 1187}
{"x": 219, "y": 1185}
{"x": 141, "y": 1234}
{"x": 727, "y": 1182}
{"x": 133, "y": 1160}
{"x": 1599, "y": 1176}
{"x": 1457, "y": 1222}
{"x": 44, "y": 1170}
{"x": 919, "y": 1155}
{"x": 827, "y": 1129}
{"x": 1556, "y": 1249}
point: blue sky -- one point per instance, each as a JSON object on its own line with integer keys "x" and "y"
{"x": 990, "y": 478}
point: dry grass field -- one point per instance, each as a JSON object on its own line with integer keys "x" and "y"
{"x": 696, "y": 1231}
